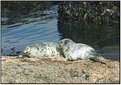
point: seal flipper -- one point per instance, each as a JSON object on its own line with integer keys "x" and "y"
{"x": 99, "y": 59}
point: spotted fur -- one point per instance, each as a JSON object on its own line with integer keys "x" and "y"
{"x": 42, "y": 49}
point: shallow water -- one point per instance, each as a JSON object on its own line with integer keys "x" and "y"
{"x": 30, "y": 30}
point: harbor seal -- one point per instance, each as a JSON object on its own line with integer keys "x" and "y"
{"x": 75, "y": 51}
{"x": 42, "y": 49}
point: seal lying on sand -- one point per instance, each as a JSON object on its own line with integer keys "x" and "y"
{"x": 42, "y": 49}
{"x": 74, "y": 51}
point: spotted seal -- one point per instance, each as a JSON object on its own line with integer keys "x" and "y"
{"x": 74, "y": 51}
{"x": 42, "y": 49}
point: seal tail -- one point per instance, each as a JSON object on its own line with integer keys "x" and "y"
{"x": 99, "y": 59}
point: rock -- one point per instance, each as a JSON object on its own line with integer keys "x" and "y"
{"x": 33, "y": 70}
{"x": 98, "y": 12}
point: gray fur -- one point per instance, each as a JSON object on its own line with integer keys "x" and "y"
{"x": 75, "y": 51}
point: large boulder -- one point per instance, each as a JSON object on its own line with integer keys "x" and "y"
{"x": 37, "y": 70}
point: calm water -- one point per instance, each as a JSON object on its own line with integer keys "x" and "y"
{"x": 29, "y": 30}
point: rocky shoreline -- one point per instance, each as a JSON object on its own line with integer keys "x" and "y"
{"x": 57, "y": 70}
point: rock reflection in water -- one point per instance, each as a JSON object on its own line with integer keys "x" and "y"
{"x": 98, "y": 36}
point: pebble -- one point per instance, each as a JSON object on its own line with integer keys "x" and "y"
{"x": 20, "y": 56}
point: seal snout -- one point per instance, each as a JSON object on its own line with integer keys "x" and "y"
{"x": 60, "y": 44}
{"x": 26, "y": 51}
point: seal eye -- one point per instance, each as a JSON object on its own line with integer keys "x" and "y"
{"x": 60, "y": 43}
{"x": 66, "y": 42}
